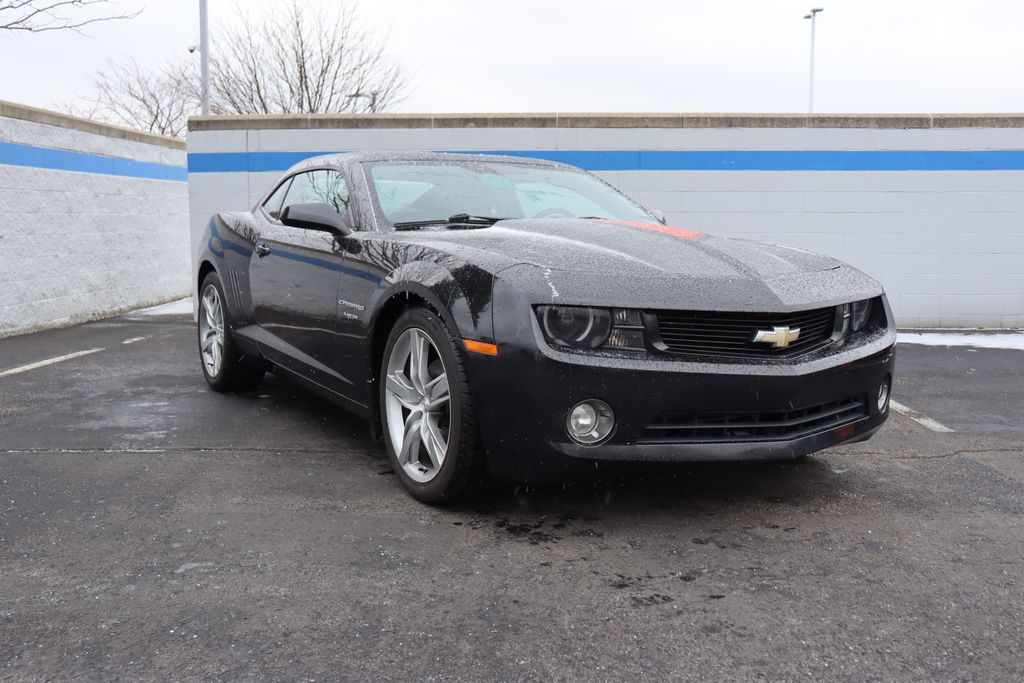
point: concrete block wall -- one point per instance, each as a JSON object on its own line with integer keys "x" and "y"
{"x": 93, "y": 220}
{"x": 931, "y": 205}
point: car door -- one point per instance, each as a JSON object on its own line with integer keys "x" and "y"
{"x": 369, "y": 255}
{"x": 294, "y": 275}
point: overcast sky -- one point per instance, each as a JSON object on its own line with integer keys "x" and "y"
{"x": 615, "y": 55}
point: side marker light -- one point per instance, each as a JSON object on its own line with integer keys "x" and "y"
{"x": 480, "y": 347}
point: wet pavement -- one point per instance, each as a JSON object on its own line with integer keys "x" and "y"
{"x": 152, "y": 529}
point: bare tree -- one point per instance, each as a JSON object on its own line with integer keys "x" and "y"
{"x": 159, "y": 102}
{"x": 37, "y": 16}
{"x": 303, "y": 60}
{"x": 297, "y": 60}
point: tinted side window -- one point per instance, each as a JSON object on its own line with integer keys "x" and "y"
{"x": 318, "y": 187}
{"x": 273, "y": 204}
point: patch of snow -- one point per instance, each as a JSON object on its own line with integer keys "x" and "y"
{"x": 981, "y": 340}
{"x": 547, "y": 276}
{"x": 180, "y": 307}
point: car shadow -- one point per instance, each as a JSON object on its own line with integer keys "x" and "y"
{"x": 610, "y": 489}
{"x": 295, "y": 408}
{"x": 632, "y": 486}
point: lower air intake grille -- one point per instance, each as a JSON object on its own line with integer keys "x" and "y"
{"x": 754, "y": 426}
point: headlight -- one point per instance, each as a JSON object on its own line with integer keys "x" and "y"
{"x": 576, "y": 326}
{"x": 860, "y": 314}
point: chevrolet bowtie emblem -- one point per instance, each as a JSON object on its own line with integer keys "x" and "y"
{"x": 778, "y": 337}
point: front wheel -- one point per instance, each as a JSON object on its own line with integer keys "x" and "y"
{"x": 427, "y": 410}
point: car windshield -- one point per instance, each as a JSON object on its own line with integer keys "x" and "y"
{"x": 411, "y": 191}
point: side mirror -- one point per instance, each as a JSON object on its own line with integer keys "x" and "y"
{"x": 659, "y": 215}
{"x": 321, "y": 217}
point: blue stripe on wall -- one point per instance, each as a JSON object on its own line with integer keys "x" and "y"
{"x": 682, "y": 160}
{"x": 15, "y": 154}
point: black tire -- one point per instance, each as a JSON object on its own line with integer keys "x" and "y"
{"x": 237, "y": 372}
{"x": 462, "y": 473}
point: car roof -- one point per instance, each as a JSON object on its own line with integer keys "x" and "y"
{"x": 348, "y": 158}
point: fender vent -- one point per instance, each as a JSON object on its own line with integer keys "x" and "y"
{"x": 236, "y": 290}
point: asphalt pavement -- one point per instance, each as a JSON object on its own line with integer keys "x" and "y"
{"x": 151, "y": 529}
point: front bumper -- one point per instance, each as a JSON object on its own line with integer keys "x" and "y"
{"x": 524, "y": 394}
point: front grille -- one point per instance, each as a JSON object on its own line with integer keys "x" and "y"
{"x": 719, "y": 427}
{"x": 709, "y": 333}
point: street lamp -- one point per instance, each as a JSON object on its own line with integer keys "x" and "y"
{"x": 810, "y": 98}
{"x": 204, "y": 57}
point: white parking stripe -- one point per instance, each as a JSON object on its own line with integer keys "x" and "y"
{"x": 133, "y": 340}
{"x": 919, "y": 418}
{"x": 48, "y": 361}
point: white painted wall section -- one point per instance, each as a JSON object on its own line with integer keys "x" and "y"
{"x": 943, "y": 229}
{"x": 93, "y": 220}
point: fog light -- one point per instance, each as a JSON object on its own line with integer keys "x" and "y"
{"x": 590, "y": 422}
{"x": 883, "y": 395}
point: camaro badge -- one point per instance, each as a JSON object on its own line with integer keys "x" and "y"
{"x": 778, "y": 337}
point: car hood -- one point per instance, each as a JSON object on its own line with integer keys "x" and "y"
{"x": 652, "y": 265}
{"x": 602, "y": 246}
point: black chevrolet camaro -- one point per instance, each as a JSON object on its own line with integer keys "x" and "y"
{"x": 510, "y": 317}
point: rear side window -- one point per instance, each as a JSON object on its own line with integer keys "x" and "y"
{"x": 318, "y": 187}
{"x": 273, "y": 204}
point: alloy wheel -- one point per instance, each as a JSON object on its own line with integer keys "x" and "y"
{"x": 211, "y": 331}
{"x": 417, "y": 399}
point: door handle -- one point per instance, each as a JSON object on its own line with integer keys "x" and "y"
{"x": 262, "y": 250}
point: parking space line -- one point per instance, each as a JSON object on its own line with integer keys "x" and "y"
{"x": 920, "y": 418}
{"x": 49, "y": 361}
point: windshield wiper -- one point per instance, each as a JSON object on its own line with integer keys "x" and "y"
{"x": 457, "y": 219}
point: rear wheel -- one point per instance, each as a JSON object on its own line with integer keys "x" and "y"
{"x": 223, "y": 366}
{"x": 427, "y": 411}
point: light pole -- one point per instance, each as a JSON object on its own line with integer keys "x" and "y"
{"x": 204, "y": 57}
{"x": 810, "y": 97}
